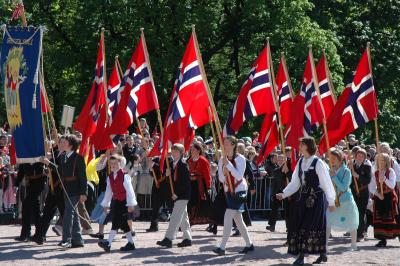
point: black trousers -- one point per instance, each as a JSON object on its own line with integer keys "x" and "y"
{"x": 119, "y": 216}
{"x": 54, "y": 201}
{"x": 159, "y": 197}
{"x": 31, "y": 208}
{"x": 362, "y": 203}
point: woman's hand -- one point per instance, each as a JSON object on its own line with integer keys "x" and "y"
{"x": 380, "y": 196}
{"x": 331, "y": 208}
{"x": 130, "y": 209}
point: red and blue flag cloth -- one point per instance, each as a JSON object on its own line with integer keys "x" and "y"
{"x": 327, "y": 97}
{"x": 255, "y": 97}
{"x": 355, "y": 107}
{"x": 87, "y": 120}
{"x": 284, "y": 93}
{"x": 270, "y": 141}
{"x": 101, "y": 140}
{"x": 189, "y": 103}
{"x": 136, "y": 95}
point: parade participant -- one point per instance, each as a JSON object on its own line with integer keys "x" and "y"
{"x": 179, "y": 217}
{"x": 72, "y": 169}
{"x": 55, "y": 198}
{"x": 34, "y": 179}
{"x": 361, "y": 172}
{"x": 199, "y": 205}
{"x": 386, "y": 203}
{"x": 233, "y": 166}
{"x": 307, "y": 223}
{"x": 218, "y": 200}
{"x": 119, "y": 189}
{"x": 280, "y": 178}
{"x": 345, "y": 217}
{"x": 160, "y": 194}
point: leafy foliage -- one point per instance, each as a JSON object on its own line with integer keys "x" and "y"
{"x": 231, "y": 34}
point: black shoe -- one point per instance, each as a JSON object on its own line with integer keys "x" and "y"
{"x": 60, "y": 243}
{"x": 66, "y": 245}
{"x": 215, "y": 230}
{"x": 77, "y": 245}
{"x": 247, "y": 249}
{"x": 105, "y": 245}
{"x": 219, "y": 252}
{"x": 359, "y": 239}
{"x": 22, "y": 238}
{"x": 299, "y": 261}
{"x": 128, "y": 247}
{"x": 38, "y": 240}
{"x": 209, "y": 228}
{"x": 185, "y": 243}
{"x": 321, "y": 258}
{"x": 381, "y": 244}
{"x": 236, "y": 232}
{"x": 165, "y": 243}
{"x": 97, "y": 235}
{"x": 153, "y": 228}
{"x": 270, "y": 228}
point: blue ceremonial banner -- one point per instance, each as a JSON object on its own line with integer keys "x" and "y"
{"x": 19, "y": 71}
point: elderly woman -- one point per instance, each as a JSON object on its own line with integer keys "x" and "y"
{"x": 345, "y": 216}
{"x": 385, "y": 201}
{"x": 307, "y": 223}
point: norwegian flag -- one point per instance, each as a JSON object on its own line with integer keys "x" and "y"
{"x": 114, "y": 83}
{"x": 327, "y": 97}
{"x": 355, "y": 107}
{"x": 189, "y": 103}
{"x": 269, "y": 139}
{"x": 284, "y": 92}
{"x": 305, "y": 102}
{"x": 255, "y": 96}
{"x": 100, "y": 139}
{"x": 86, "y": 122}
{"x": 136, "y": 94}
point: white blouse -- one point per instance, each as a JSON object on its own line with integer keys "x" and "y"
{"x": 237, "y": 172}
{"x": 390, "y": 182}
{"x": 325, "y": 182}
{"x": 130, "y": 194}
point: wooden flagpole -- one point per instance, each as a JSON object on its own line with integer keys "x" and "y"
{"x": 376, "y": 107}
{"x": 210, "y": 98}
{"x": 213, "y": 133}
{"x": 146, "y": 54}
{"x": 316, "y": 85}
{"x": 275, "y": 97}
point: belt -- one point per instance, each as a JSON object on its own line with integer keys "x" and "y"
{"x": 34, "y": 177}
{"x": 70, "y": 178}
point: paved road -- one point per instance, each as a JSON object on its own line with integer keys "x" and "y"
{"x": 269, "y": 250}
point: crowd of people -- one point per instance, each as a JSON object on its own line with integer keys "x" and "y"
{"x": 352, "y": 187}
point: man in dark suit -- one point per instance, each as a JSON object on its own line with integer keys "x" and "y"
{"x": 72, "y": 169}
{"x": 181, "y": 196}
{"x": 34, "y": 184}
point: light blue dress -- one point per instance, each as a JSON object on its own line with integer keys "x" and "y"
{"x": 345, "y": 217}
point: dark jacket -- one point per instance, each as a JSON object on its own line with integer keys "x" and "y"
{"x": 181, "y": 179}
{"x": 33, "y": 174}
{"x": 74, "y": 166}
{"x": 251, "y": 173}
{"x": 280, "y": 180}
{"x": 364, "y": 172}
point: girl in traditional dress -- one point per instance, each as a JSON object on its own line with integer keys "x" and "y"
{"x": 307, "y": 224}
{"x": 199, "y": 206}
{"x": 385, "y": 201}
{"x": 345, "y": 216}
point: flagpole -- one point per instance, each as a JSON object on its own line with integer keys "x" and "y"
{"x": 146, "y": 55}
{"x": 376, "y": 108}
{"x": 274, "y": 89}
{"x": 287, "y": 74}
{"x": 316, "y": 85}
{"x": 210, "y": 98}
{"x": 213, "y": 133}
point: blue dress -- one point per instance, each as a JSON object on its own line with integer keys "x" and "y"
{"x": 345, "y": 216}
